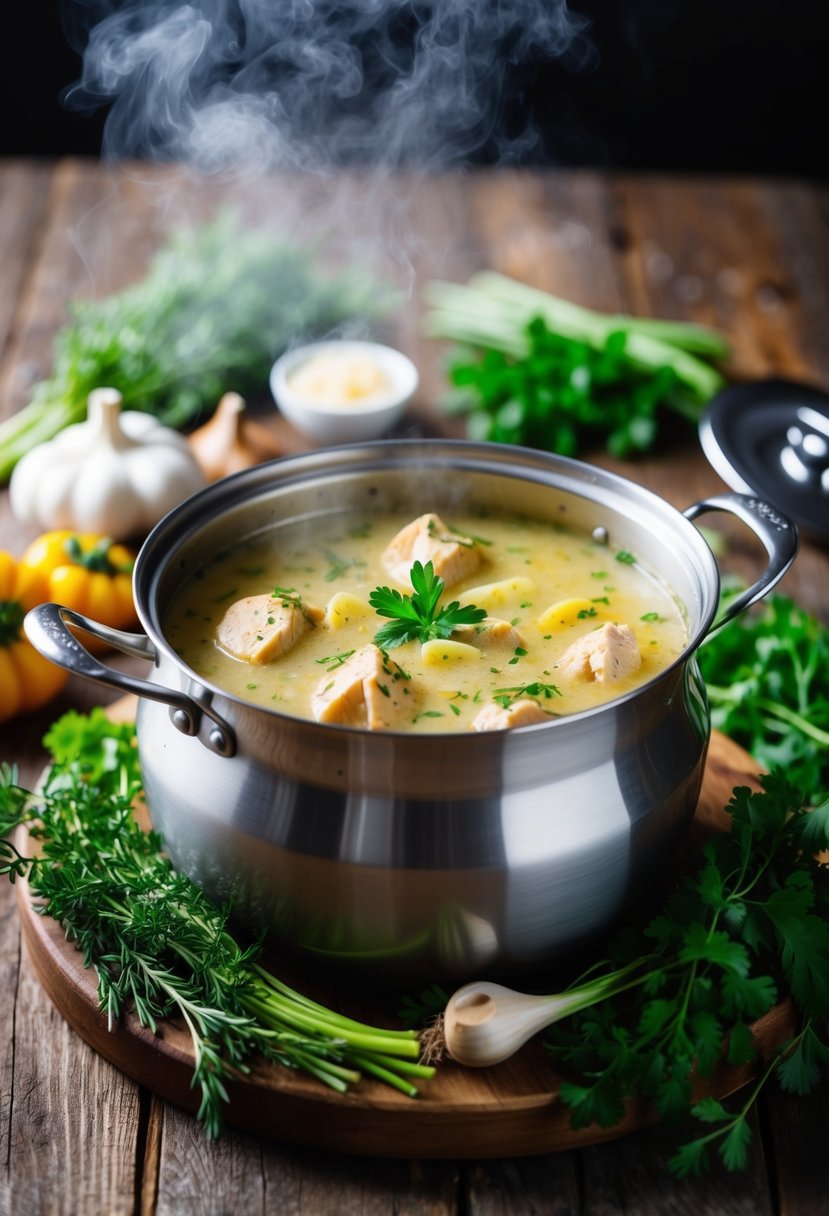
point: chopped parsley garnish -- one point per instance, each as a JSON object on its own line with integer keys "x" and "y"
{"x": 417, "y": 617}
{"x": 508, "y": 696}
{"x": 335, "y": 660}
{"x": 361, "y": 531}
{"x": 427, "y": 713}
{"x": 650, "y": 616}
{"x": 288, "y": 595}
{"x": 292, "y": 599}
{"x": 626, "y": 558}
{"x": 466, "y": 539}
{"x": 585, "y": 613}
{"x": 338, "y": 566}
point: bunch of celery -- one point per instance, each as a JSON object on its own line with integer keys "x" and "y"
{"x": 547, "y": 373}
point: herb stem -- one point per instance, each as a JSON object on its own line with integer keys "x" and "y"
{"x": 775, "y": 709}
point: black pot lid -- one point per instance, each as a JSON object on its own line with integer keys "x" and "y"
{"x": 771, "y": 438}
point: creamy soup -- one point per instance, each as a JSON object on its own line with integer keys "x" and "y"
{"x": 563, "y": 622}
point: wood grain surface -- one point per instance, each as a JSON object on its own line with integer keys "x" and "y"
{"x": 749, "y": 256}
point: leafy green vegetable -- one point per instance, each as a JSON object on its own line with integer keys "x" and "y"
{"x": 157, "y": 943}
{"x": 417, "y": 617}
{"x": 750, "y": 925}
{"x": 549, "y": 374}
{"x": 767, "y": 675}
{"x": 216, "y": 307}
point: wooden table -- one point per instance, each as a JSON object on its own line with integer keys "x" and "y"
{"x": 750, "y": 257}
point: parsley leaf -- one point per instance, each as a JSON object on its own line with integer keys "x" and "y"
{"x": 417, "y": 618}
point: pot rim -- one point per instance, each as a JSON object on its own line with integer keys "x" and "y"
{"x": 181, "y": 524}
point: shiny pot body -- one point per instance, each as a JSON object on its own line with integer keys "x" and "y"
{"x": 437, "y": 856}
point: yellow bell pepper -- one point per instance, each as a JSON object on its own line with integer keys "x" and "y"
{"x": 86, "y": 572}
{"x": 27, "y": 680}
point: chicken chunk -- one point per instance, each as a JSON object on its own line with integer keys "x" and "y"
{"x": 367, "y": 690}
{"x": 427, "y": 539}
{"x": 520, "y": 713}
{"x": 490, "y": 632}
{"x": 261, "y": 628}
{"x": 605, "y": 655}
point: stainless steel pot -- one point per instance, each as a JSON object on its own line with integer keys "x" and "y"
{"x": 422, "y": 855}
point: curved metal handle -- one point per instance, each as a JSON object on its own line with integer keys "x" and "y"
{"x": 47, "y": 628}
{"x": 776, "y": 533}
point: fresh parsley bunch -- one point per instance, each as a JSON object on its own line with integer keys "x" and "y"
{"x": 749, "y": 927}
{"x": 418, "y": 617}
{"x": 767, "y": 675}
{"x": 566, "y": 396}
{"x": 555, "y": 375}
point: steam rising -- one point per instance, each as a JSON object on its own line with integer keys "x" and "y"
{"x": 313, "y": 84}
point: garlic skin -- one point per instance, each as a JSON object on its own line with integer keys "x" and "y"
{"x": 116, "y": 474}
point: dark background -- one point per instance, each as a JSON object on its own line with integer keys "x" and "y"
{"x": 708, "y": 85}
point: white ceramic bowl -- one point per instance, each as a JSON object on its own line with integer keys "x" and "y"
{"x": 344, "y": 421}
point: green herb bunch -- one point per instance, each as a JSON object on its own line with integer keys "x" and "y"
{"x": 767, "y": 675}
{"x": 158, "y": 945}
{"x": 748, "y": 927}
{"x": 216, "y": 306}
{"x": 565, "y": 396}
{"x": 419, "y": 617}
{"x": 547, "y": 373}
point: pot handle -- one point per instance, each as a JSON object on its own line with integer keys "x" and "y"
{"x": 776, "y": 533}
{"x": 47, "y": 628}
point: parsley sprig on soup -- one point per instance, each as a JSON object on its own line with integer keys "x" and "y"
{"x": 385, "y": 622}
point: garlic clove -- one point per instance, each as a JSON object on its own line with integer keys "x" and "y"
{"x": 229, "y": 442}
{"x": 101, "y": 500}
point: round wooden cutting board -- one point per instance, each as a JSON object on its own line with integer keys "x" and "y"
{"x": 507, "y": 1111}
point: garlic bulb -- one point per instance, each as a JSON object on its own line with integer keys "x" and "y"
{"x": 116, "y": 474}
{"x": 486, "y": 1023}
